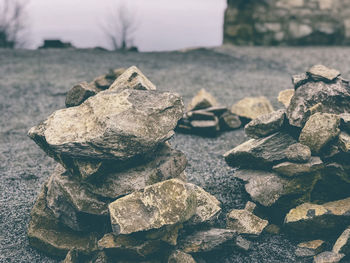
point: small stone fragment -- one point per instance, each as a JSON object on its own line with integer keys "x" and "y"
{"x": 245, "y": 222}
{"x": 229, "y": 121}
{"x": 252, "y": 107}
{"x": 299, "y": 80}
{"x": 344, "y": 142}
{"x": 285, "y": 96}
{"x": 298, "y": 152}
{"x": 320, "y": 129}
{"x": 265, "y": 125}
{"x": 79, "y": 93}
{"x": 328, "y": 257}
{"x": 202, "y": 100}
{"x": 166, "y": 203}
{"x": 243, "y": 244}
{"x": 206, "y": 240}
{"x": 320, "y": 72}
{"x": 180, "y": 257}
{"x": 345, "y": 121}
{"x": 272, "y": 229}
{"x": 342, "y": 245}
{"x": 310, "y": 248}
{"x": 290, "y": 169}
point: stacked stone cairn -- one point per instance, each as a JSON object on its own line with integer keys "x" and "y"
{"x": 205, "y": 116}
{"x": 296, "y": 167}
{"x": 119, "y": 191}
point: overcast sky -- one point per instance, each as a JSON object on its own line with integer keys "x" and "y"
{"x": 162, "y": 24}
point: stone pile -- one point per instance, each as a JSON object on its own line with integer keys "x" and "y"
{"x": 296, "y": 167}
{"x": 119, "y": 190}
{"x": 206, "y": 117}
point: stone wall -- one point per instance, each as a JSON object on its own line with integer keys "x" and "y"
{"x": 287, "y": 22}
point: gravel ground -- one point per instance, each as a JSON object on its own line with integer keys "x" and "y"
{"x": 33, "y": 84}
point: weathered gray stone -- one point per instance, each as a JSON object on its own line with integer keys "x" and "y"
{"x": 46, "y": 234}
{"x": 285, "y": 97}
{"x": 319, "y": 130}
{"x": 320, "y": 72}
{"x": 166, "y": 203}
{"x": 128, "y": 246}
{"x": 299, "y": 80}
{"x": 200, "y": 115}
{"x": 265, "y": 124}
{"x": 290, "y": 169}
{"x": 252, "y": 107}
{"x": 73, "y": 204}
{"x": 79, "y": 93}
{"x": 345, "y": 121}
{"x": 208, "y": 207}
{"x": 260, "y": 153}
{"x": 312, "y": 220}
{"x": 245, "y": 222}
{"x": 328, "y": 257}
{"x": 105, "y": 81}
{"x": 243, "y": 244}
{"x": 334, "y": 98}
{"x": 344, "y": 142}
{"x": 342, "y": 245}
{"x": 272, "y": 229}
{"x": 298, "y": 152}
{"x": 206, "y": 240}
{"x": 132, "y": 78}
{"x": 229, "y": 121}
{"x": 110, "y": 125}
{"x": 202, "y": 100}
{"x": 310, "y": 248}
{"x": 180, "y": 257}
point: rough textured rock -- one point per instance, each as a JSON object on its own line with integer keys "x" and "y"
{"x": 110, "y": 125}
{"x": 79, "y": 93}
{"x": 319, "y": 130}
{"x": 202, "y": 100}
{"x": 252, "y": 107}
{"x": 166, "y": 203}
{"x": 260, "y": 153}
{"x": 132, "y": 78}
{"x": 320, "y": 72}
{"x": 206, "y": 240}
{"x": 285, "y": 96}
{"x": 243, "y": 244}
{"x": 328, "y": 257}
{"x": 265, "y": 124}
{"x": 128, "y": 246}
{"x": 310, "y": 248}
{"x": 344, "y": 142}
{"x": 297, "y": 81}
{"x": 298, "y": 152}
{"x": 208, "y": 207}
{"x": 312, "y": 220}
{"x": 73, "y": 204}
{"x": 105, "y": 81}
{"x": 46, "y": 234}
{"x": 180, "y": 257}
{"x": 229, "y": 121}
{"x": 345, "y": 121}
{"x": 290, "y": 169}
{"x": 245, "y": 222}
{"x": 342, "y": 245}
{"x": 334, "y": 98}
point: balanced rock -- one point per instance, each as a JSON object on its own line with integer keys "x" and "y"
{"x": 298, "y": 152}
{"x": 320, "y": 72}
{"x": 285, "y": 96}
{"x": 134, "y": 79}
{"x": 319, "y": 130}
{"x": 265, "y": 125}
{"x": 202, "y": 100}
{"x": 328, "y": 257}
{"x": 290, "y": 169}
{"x": 245, "y": 222}
{"x": 166, "y": 203}
{"x": 206, "y": 240}
{"x": 310, "y": 248}
{"x": 110, "y": 125}
{"x": 180, "y": 257}
{"x": 260, "y": 153}
{"x": 342, "y": 245}
{"x": 48, "y": 235}
{"x": 333, "y": 98}
{"x": 252, "y": 107}
{"x": 313, "y": 220}
{"x": 79, "y": 93}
